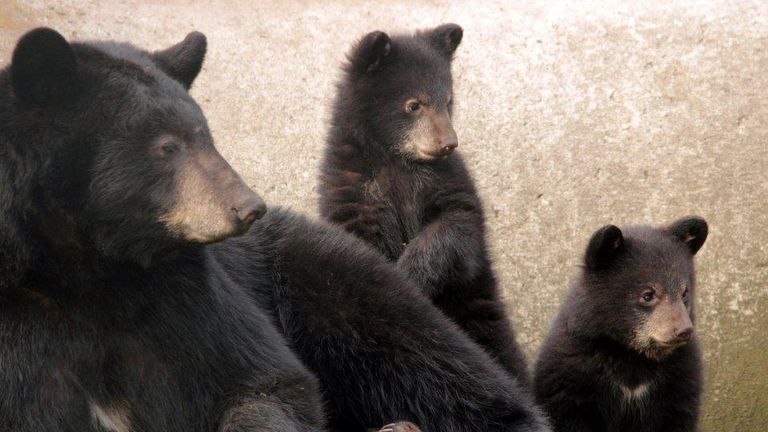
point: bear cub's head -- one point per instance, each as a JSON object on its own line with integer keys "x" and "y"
{"x": 638, "y": 285}
{"x": 399, "y": 91}
{"x": 109, "y": 140}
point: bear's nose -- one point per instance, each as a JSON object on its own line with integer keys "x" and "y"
{"x": 684, "y": 334}
{"x": 249, "y": 211}
{"x": 449, "y": 147}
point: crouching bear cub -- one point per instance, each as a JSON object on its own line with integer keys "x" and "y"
{"x": 391, "y": 177}
{"x": 621, "y": 354}
{"x": 126, "y": 306}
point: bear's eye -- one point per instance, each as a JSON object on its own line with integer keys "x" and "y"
{"x": 412, "y": 106}
{"x": 648, "y": 296}
{"x": 685, "y": 294}
{"x": 169, "y": 147}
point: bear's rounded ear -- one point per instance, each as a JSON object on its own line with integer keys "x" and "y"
{"x": 44, "y": 68}
{"x": 369, "y": 52}
{"x": 445, "y": 38}
{"x": 691, "y": 231}
{"x": 184, "y": 60}
{"x": 605, "y": 244}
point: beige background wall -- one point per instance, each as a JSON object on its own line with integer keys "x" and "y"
{"x": 570, "y": 115}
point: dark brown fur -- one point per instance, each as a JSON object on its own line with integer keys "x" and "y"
{"x": 616, "y": 360}
{"x": 114, "y": 316}
{"x": 381, "y": 181}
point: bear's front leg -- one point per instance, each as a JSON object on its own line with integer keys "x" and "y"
{"x": 451, "y": 244}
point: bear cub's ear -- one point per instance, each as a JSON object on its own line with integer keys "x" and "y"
{"x": 445, "y": 38}
{"x": 44, "y": 68}
{"x": 367, "y": 55}
{"x": 605, "y": 244}
{"x": 691, "y": 230}
{"x": 184, "y": 60}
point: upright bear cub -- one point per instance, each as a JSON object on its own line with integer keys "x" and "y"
{"x": 392, "y": 178}
{"x": 126, "y": 306}
{"x": 621, "y": 354}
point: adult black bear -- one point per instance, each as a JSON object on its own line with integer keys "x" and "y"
{"x": 621, "y": 355}
{"x": 121, "y": 308}
{"x": 112, "y": 315}
{"x": 390, "y": 176}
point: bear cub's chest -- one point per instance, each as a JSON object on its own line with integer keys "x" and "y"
{"x": 400, "y": 200}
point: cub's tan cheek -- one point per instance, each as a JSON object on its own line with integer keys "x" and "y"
{"x": 642, "y": 334}
{"x": 656, "y": 329}
{"x": 419, "y": 139}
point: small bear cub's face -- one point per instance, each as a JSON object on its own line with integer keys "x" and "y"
{"x": 403, "y": 91}
{"x": 641, "y": 282}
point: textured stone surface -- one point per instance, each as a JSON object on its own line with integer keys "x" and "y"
{"x": 571, "y": 116}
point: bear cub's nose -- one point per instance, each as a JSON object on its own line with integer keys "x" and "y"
{"x": 249, "y": 211}
{"x": 684, "y": 334}
{"x": 449, "y": 147}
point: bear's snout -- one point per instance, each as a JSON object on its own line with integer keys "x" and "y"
{"x": 448, "y": 142}
{"x": 446, "y": 139}
{"x": 211, "y": 201}
{"x": 249, "y": 210}
{"x": 684, "y": 335}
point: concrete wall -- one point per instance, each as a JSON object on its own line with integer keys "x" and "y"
{"x": 570, "y": 115}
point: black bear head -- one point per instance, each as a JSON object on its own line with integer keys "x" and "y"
{"x": 113, "y": 142}
{"x": 399, "y": 90}
{"x": 639, "y": 284}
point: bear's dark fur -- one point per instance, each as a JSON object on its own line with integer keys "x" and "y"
{"x": 621, "y": 354}
{"x": 110, "y": 317}
{"x": 379, "y": 348}
{"x": 389, "y": 177}
{"x": 121, "y": 308}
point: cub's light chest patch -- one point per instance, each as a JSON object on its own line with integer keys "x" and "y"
{"x": 111, "y": 418}
{"x": 635, "y": 394}
{"x": 373, "y": 189}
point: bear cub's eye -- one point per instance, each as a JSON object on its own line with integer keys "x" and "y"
{"x": 648, "y": 296}
{"x": 412, "y": 106}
